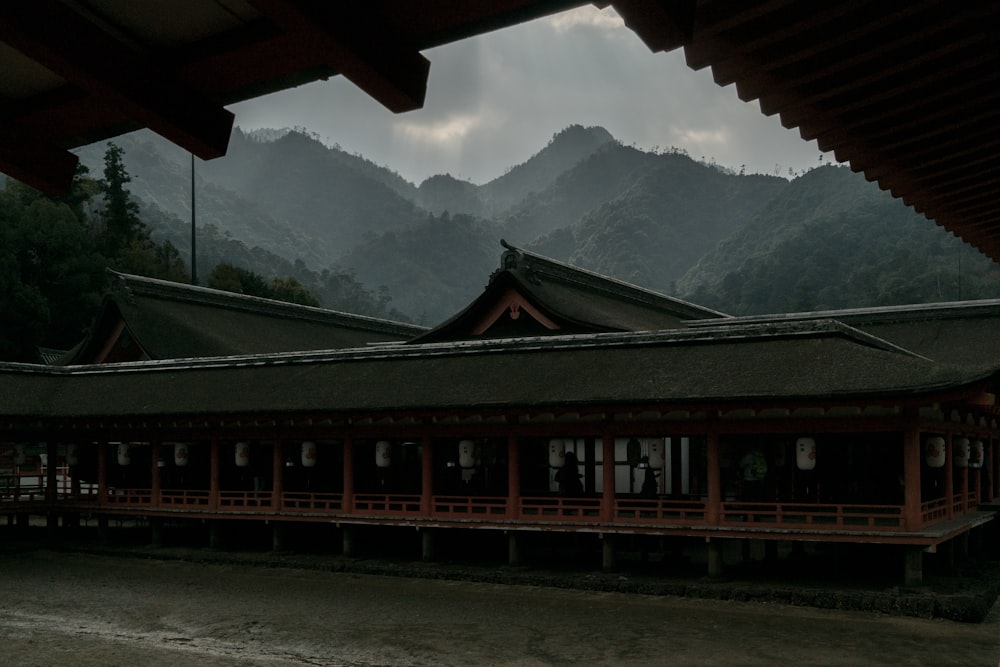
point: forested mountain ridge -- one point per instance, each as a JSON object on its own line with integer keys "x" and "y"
{"x": 659, "y": 219}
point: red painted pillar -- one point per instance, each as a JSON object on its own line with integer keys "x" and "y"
{"x": 949, "y": 475}
{"x": 608, "y": 478}
{"x": 713, "y": 504}
{"x": 102, "y": 472}
{"x": 155, "y": 482}
{"x": 347, "y": 504}
{"x": 912, "y": 513}
{"x": 278, "y": 475}
{"x": 426, "y": 476}
{"x": 213, "y": 475}
{"x": 513, "y": 478}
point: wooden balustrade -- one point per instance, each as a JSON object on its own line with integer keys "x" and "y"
{"x": 312, "y": 502}
{"x": 566, "y": 509}
{"x": 387, "y": 503}
{"x": 185, "y": 498}
{"x": 130, "y": 497}
{"x": 468, "y": 506}
{"x": 659, "y": 510}
{"x": 243, "y": 500}
{"x": 881, "y": 517}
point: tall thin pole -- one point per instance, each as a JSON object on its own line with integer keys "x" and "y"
{"x": 194, "y": 265}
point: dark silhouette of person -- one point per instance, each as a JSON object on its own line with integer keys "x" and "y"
{"x": 649, "y": 485}
{"x": 568, "y": 477}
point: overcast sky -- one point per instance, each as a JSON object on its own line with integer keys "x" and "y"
{"x": 496, "y": 99}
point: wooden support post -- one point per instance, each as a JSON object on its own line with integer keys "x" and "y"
{"x": 215, "y": 539}
{"x": 913, "y": 566}
{"x": 348, "y": 544}
{"x": 426, "y": 476}
{"x": 713, "y": 505}
{"x": 513, "y": 548}
{"x": 513, "y": 477}
{"x": 278, "y": 475}
{"x": 715, "y": 565}
{"x": 214, "y": 475}
{"x": 608, "y": 553}
{"x": 949, "y": 476}
{"x": 912, "y": 513}
{"x": 347, "y": 503}
{"x": 279, "y": 536}
{"x": 608, "y": 478}
{"x": 427, "y": 544}
{"x": 156, "y": 531}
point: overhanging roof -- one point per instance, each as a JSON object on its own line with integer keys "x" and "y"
{"x": 906, "y": 92}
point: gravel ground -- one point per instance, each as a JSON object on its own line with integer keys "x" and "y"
{"x": 209, "y": 608}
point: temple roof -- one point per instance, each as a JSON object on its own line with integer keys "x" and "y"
{"x": 169, "y": 320}
{"x": 532, "y": 294}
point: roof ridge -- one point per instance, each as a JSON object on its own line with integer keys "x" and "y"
{"x": 905, "y": 312}
{"x": 538, "y": 264}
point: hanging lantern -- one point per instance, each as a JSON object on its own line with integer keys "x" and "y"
{"x": 934, "y": 451}
{"x": 557, "y": 453}
{"x": 960, "y": 449}
{"x": 467, "y": 454}
{"x": 72, "y": 454}
{"x": 20, "y": 458}
{"x": 242, "y": 454}
{"x": 308, "y": 454}
{"x": 383, "y": 454}
{"x": 181, "y": 454}
{"x": 656, "y": 450}
{"x": 124, "y": 455}
{"x": 805, "y": 453}
{"x": 976, "y": 454}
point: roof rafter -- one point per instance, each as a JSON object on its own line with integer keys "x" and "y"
{"x": 93, "y": 60}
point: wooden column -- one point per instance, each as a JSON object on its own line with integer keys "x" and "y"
{"x": 102, "y": 472}
{"x": 513, "y": 478}
{"x": 713, "y": 504}
{"x": 912, "y": 515}
{"x": 608, "y": 478}
{"x": 214, "y": 475}
{"x": 949, "y": 476}
{"x": 155, "y": 483}
{"x": 426, "y": 478}
{"x": 347, "y": 503}
{"x": 278, "y": 477}
{"x": 963, "y": 483}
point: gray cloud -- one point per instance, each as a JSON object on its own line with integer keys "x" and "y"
{"x": 496, "y": 99}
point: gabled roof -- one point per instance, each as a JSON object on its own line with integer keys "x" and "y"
{"x": 534, "y": 295}
{"x": 166, "y": 320}
{"x": 707, "y": 366}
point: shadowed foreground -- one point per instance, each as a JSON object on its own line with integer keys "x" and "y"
{"x": 84, "y": 610}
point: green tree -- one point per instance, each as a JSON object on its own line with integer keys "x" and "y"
{"x": 120, "y": 217}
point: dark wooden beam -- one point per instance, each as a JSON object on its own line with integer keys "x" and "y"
{"x": 353, "y": 40}
{"x": 662, "y": 25}
{"x": 95, "y": 61}
{"x": 34, "y": 161}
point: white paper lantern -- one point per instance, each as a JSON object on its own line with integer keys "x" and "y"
{"x": 182, "y": 454}
{"x": 934, "y": 451}
{"x": 308, "y": 454}
{"x": 383, "y": 454}
{"x": 557, "y": 453}
{"x": 467, "y": 454}
{"x": 242, "y": 454}
{"x": 656, "y": 450}
{"x": 805, "y": 453}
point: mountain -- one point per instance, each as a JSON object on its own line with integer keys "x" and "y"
{"x": 833, "y": 240}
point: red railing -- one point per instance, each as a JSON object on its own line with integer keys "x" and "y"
{"x": 130, "y": 497}
{"x": 185, "y": 498}
{"x": 469, "y": 506}
{"x": 652, "y": 510}
{"x": 244, "y": 500}
{"x": 569, "y": 509}
{"x": 934, "y": 510}
{"x": 880, "y": 517}
{"x": 312, "y": 502}
{"x": 380, "y": 503}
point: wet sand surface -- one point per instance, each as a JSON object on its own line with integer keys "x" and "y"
{"x": 88, "y": 610}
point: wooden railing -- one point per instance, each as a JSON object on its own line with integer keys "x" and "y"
{"x": 880, "y": 517}
{"x": 566, "y": 509}
{"x": 659, "y": 510}
{"x": 130, "y": 497}
{"x": 312, "y": 502}
{"x": 185, "y": 498}
{"x": 472, "y": 506}
{"x": 387, "y": 503}
{"x": 934, "y": 510}
{"x": 244, "y": 500}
